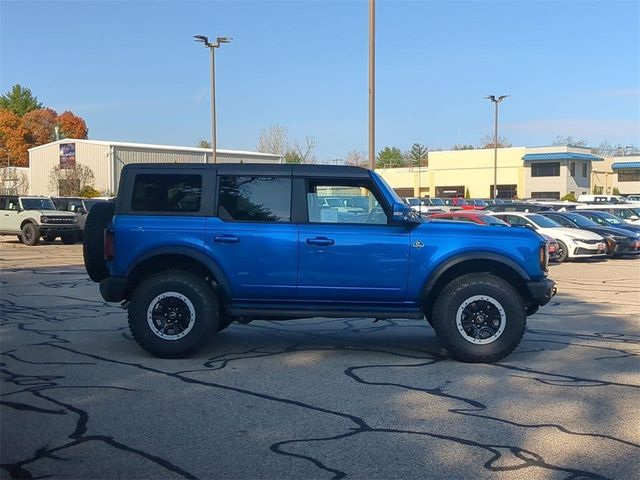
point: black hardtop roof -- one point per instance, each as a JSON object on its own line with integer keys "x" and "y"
{"x": 341, "y": 171}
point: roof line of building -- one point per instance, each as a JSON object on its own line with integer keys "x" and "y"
{"x": 155, "y": 146}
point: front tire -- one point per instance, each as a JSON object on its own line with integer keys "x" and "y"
{"x": 173, "y": 314}
{"x": 30, "y": 234}
{"x": 563, "y": 251}
{"x": 479, "y": 317}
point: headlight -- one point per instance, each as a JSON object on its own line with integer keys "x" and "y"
{"x": 44, "y": 219}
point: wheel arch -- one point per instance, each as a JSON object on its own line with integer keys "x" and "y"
{"x": 28, "y": 220}
{"x": 495, "y": 264}
{"x": 179, "y": 258}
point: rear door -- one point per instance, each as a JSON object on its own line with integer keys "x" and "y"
{"x": 9, "y": 222}
{"x": 252, "y": 237}
{"x": 350, "y": 254}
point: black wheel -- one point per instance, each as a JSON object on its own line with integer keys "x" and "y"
{"x": 479, "y": 317}
{"x": 30, "y": 234}
{"x": 93, "y": 243}
{"x": 224, "y": 321}
{"x": 563, "y": 251}
{"x": 69, "y": 238}
{"x": 49, "y": 237}
{"x": 19, "y": 237}
{"x": 172, "y": 314}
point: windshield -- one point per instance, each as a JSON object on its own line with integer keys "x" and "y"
{"x": 543, "y": 222}
{"x": 414, "y": 202}
{"x": 580, "y": 220}
{"x": 480, "y": 203}
{"x": 38, "y": 204}
{"x": 612, "y": 219}
{"x": 461, "y": 201}
{"x": 436, "y": 202}
{"x": 625, "y": 213}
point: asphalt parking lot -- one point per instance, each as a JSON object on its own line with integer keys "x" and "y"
{"x": 320, "y": 398}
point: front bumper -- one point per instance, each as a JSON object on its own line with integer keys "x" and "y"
{"x": 58, "y": 229}
{"x": 541, "y": 291}
{"x": 113, "y": 289}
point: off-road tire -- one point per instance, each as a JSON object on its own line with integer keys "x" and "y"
{"x": 562, "y": 247}
{"x": 224, "y": 321}
{"x": 93, "y": 242}
{"x": 69, "y": 238}
{"x": 30, "y": 234}
{"x": 173, "y": 283}
{"x": 451, "y": 300}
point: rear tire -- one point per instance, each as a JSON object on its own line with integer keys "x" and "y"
{"x": 563, "y": 252}
{"x": 30, "y": 234}
{"x": 479, "y": 317}
{"x": 93, "y": 243}
{"x": 172, "y": 314}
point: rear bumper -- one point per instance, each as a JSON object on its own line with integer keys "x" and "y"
{"x": 542, "y": 291}
{"x": 113, "y": 289}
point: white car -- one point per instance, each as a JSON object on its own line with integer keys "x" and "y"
{"x": 572, "y": 242}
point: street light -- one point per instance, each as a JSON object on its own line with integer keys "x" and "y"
{"x": 495, "y": 142}
{"x": 211, "y": 46}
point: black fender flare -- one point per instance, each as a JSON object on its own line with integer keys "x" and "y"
{"x": 29, "y": 220}
{"x": 458, "y": 259}
{"x": 192, "y": 253}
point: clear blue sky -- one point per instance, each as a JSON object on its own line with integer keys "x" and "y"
{"x": 132, "y": 70}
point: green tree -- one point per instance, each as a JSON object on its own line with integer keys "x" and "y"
{"x": 291, "y": 156}
{"x": 616, "y": 191}
{"x": 89, "y": 192}
{"x": 390, "y": 157}
{"x": 466, "y": 193}
{"x": 19, "y": 100}
{"x": 203, "y": 144}
{"x": 418, "y": 155}
{"x": 570, "y": 197}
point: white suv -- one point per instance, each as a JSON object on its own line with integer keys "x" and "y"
{"x": 33, "y": 217}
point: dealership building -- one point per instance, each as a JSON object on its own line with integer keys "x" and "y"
{"x": 106, "y": 159}
{"x": 522, "y": 172}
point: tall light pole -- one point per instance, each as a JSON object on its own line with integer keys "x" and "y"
{"x": 495, "y": 100}
{"x": 212, "y": 46}
{"x": 372, "y": 84}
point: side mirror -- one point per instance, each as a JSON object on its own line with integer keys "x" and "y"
{"x": 403, "y": 213}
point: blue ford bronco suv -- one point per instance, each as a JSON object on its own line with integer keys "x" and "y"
{"x": 190, "y": 248}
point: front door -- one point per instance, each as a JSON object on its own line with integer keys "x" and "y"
{"x": 348, "y": 251}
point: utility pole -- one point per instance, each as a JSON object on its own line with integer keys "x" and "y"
{"x": 496, "y": 101}
{"x": 372, "y": 84}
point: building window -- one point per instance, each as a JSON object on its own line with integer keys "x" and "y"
{"x": 572, "y": 168}
{"x": 505, "y": 191}
{"x": 450, "y": 192}
{"x": 255, "y": 199}
{"x": 629, "y": 175}
{"x": 584, "y": 169}
{"x": 550, "y": 195}
{"x": 546, "y": 169}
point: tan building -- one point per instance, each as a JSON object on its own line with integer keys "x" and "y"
{"x": 106, "y": 159}
{"x": 542, "y": 172}
{"x": 622, "y": 173}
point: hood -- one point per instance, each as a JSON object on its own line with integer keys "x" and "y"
{"x": 56, "y": 213}
{"x": 579, "y": 234}
{"x": 618, "y": 232}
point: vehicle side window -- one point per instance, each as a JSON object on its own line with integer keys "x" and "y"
{"x": 255, "y": 199}
{"x": 343, "y": 202}
{"x": 561, "y": 220}
{"x": 166, "y": 193}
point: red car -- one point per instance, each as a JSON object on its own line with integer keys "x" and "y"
{"x": 484, "y": 219}
{"x": 458, "y": 202}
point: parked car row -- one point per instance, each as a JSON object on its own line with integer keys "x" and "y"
{"x": 32, "y": 218}
{"x": 569, "y": 235}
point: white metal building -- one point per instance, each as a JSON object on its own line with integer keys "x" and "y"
{"x": 106, "y": 159}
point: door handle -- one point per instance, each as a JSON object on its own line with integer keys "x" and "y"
{"x": 320, "y": 241}
{"x": 226, "y": 239}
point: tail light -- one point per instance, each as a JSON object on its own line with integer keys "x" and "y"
{"x": 109, "y": 244}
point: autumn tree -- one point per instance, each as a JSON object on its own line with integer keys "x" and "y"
{"x": 390, "y": 157}
{"x": 488, "y": 141}
{"x": 418, "y": 155}
{"x": 203, "y": 143}
{"x": 14, "y": 140}
{"x": 302, "y": 153}
{"x": 69, "y": 182}
{"x": 72, "y": 126}
{"x": 19, "y": 100}
{"x": 40, "y": 125}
